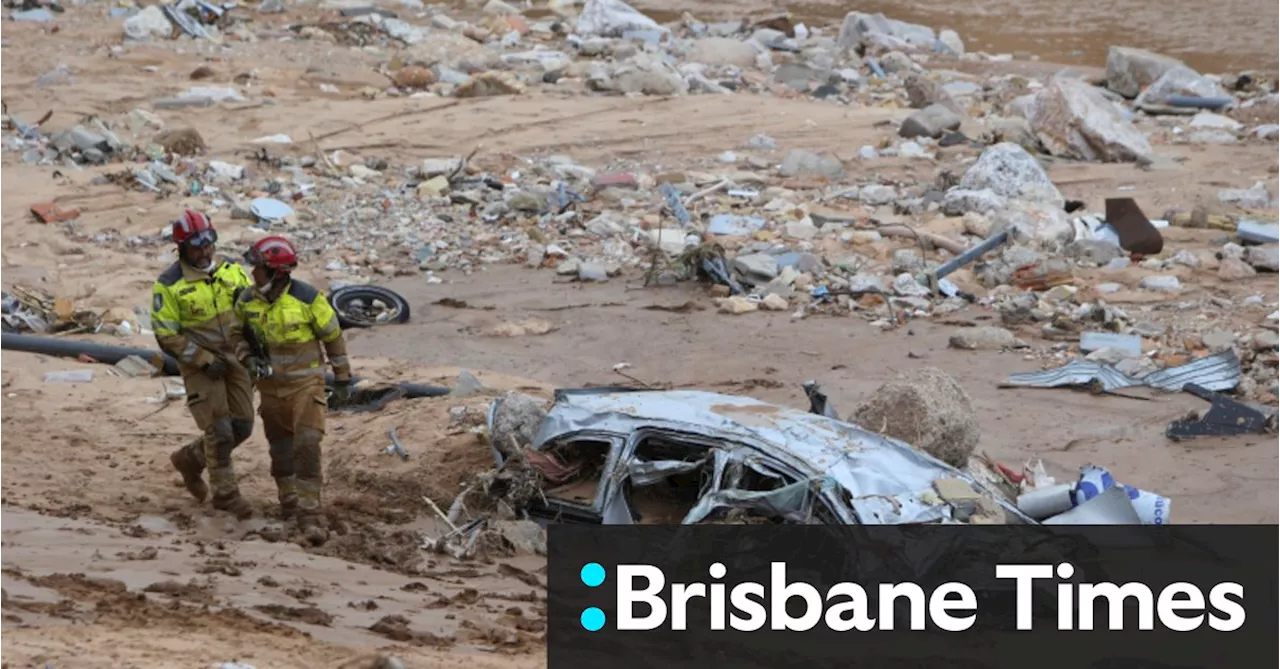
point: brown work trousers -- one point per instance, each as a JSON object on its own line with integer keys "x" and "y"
{"x": 223, "y": 410}
{"x": 293, "y": 414}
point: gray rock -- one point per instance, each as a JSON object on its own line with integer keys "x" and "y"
{"x": 517, "y": 417}
{"x": 271, "y": 7}
{"x": 905, "y": 285}
{"x": 896, "y": 62}
{"x": 1075, "y": 120}
{"x": 1044, "y": 225}
{"x": 1093, "y": 251}
{"x": 1266, "y": 257}
{"x": 1254, "y": 197}
{"x": 762, "y": 142}
{"x": 1161, "y": 284}
{"x": 859, "y": 28}
{"x": 933, "y": 121}
{"x": 149, "y": 23}
{"x": 923, "y": 92}
{"x": 951, "y": 42}
{"x": 1265, "y": 340}
{"x": 526, "y": 201}
{"x": 1235, "y": 269}
{"x": 927, "y": 409}
{"x": 798, "y": 76}
{"x": 960, "y": 201}
{"x": 1218, "y": 339}
{"x": 757, "y": 266}
{"x": 877, "y": 194}
{"x": 1015, "y": 130}
{"x": 1007, "y": 170}
{"x": 1219, "y": 137}
{"x": 800, "y": 162}
{"x": 723, "y": 51}
{"x": 590, "y": 271}
{"x": 1180, "y": 81}
{"x": 1130, "y": 70}
{"x": 866, "y": 283}
{"x": 612, "y": 18}
{"x": 906, "y": 260}
{"x": 985, "y": 338}
{"x": 605, "y": 225}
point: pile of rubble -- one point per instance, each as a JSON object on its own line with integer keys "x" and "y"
{"x": 771, "y": 228}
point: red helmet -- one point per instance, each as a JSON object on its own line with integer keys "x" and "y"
{"x": 194, "y": 229}
{"x": 274, "y": 253}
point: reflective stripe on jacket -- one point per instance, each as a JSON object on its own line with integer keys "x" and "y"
{"x": 298, "y": 330}
{"x": 192, "y": 313}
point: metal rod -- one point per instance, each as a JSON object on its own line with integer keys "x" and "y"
{"x": 988, "y": 244}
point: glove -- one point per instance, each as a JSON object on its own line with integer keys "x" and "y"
{"x": 216, "y": 368}
{"x": 341, "y": 393}
{"x": 256, "y": 367}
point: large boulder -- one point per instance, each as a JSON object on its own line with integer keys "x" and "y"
{"x": 1130, "y": 70}
{"x": 1007, "y": 170}
{"x": 859, "y": 27}
{"x": 1074, "y": 120}
{"x": 927, "y": 409}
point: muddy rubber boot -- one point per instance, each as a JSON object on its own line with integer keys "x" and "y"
{"x": 192, "y": 471}
{"x": 288, "y": 495}
{"x": 235, "y": 505}
{"x": 311, "y": 526}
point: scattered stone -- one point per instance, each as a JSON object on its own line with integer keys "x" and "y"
{"x": 1130, "y": 70}
{"x": 985, "y": 338}
{"x": 800, "y": 162}
{"x": 1235, "y": 269}
{"x": 932, "y": 121}
{"x": 148, "y": 24}
{"x": 774, "y": 302}
{"x": 737, "y": 305}
{"x": 1255, "y": 197}
{"x": 1180, "y": 81}
{"x": 927, "y": 409}
{"x": 1163, "y": 284}
{"x": 877, "y": 195}
{"x": 1007, "y": 170}
{"x": 1265, "y": 257}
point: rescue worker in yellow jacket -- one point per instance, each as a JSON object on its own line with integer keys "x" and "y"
{"x": 192, "y": 314}
{"x": 289, "y": 329}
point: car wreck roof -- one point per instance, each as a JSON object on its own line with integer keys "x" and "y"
{"x": 888, "y": 480}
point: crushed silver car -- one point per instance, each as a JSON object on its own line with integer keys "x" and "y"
{"x": 623, "y": 456}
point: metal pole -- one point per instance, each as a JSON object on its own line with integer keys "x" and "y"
{"x": 988, "y": 244}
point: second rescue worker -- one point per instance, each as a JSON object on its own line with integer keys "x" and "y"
{"x": 290, "y": 327}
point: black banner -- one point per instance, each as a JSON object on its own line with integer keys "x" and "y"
{"x": 742, "y": 596}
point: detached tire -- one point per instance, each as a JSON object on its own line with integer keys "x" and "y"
{"x": 367, "y": 306}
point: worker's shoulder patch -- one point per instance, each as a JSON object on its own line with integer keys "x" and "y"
{"x": 171, "y": 275}
{"x": 303, "y": 291}
{"x": 157, "y": 301}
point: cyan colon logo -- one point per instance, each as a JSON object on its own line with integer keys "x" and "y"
{"x": 592, "y": 576}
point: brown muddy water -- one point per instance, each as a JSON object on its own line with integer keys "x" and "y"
{"x": 1212, "y": 36}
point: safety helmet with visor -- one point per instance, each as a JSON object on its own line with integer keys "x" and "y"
{"x": 274, "y": 253}
{"x": 193, "y": 229}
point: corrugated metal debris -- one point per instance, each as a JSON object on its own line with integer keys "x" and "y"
{"x": 1220, "y": 371}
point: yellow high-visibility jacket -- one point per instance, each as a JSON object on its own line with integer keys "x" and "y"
{"x": 192, "y": 313}
{"x": 298, "y": 330}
